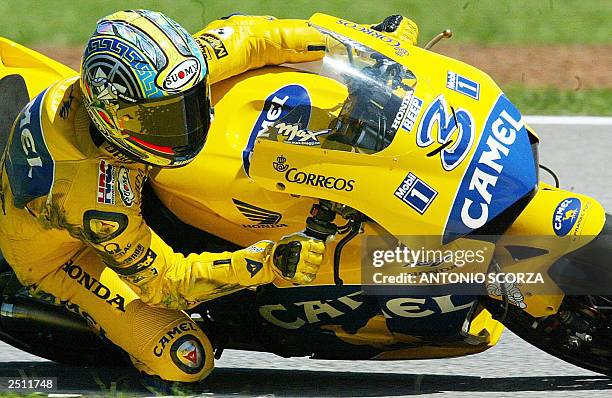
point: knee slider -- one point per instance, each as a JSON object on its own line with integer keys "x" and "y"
{"x": 176, "y": 349}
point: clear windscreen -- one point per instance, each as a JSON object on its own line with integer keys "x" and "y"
{"x": 369, "y": 103}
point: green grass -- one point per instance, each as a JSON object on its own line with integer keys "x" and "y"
{"x": 552, "y": 101}
{"x": 55, "y": 22}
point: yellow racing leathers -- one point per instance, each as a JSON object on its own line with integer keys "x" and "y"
{"x": 72, "y": 229}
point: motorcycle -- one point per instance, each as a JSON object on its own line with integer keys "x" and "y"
{"x": 379, "y": 144}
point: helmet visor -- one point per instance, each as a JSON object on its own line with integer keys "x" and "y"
{"x": 173, "y": 127}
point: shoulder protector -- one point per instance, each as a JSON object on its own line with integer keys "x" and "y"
{"x": 29, "y": 164}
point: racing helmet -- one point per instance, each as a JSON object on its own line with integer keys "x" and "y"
{"x": 146, "y": 88}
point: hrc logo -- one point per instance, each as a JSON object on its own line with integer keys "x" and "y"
{"x": 106, "y": 183}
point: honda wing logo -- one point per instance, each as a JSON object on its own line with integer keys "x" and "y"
{"x": 262, "y": 217}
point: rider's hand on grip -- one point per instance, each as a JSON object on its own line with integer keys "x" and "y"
{"x": 399, "y": 28}
{"x": 297, "y": 258}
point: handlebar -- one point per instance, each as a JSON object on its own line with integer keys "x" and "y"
{"x": 320, "y": 225}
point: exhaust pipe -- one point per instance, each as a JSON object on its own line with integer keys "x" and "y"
{"x": 28, "y": 316}
{"x": 53, "y": 333}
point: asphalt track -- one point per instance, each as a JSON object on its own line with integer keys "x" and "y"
{"x": 579, "y": 154}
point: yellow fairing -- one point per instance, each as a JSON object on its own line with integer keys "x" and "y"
{"x": 484, "y": 332}
{"x": 533, "y": 228}
{"x": 37, "y": 70}
{"x": 219, "y": 169}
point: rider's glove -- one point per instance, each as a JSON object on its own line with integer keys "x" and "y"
{"x": 399, "y": 28}
{"x": 297, "y": 258}
{"x": 256, "y": 260}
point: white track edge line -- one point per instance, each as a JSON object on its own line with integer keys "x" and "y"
{"x": 570, "y": 120}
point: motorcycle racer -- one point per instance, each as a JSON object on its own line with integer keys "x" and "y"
{"x": 79, "y": 154}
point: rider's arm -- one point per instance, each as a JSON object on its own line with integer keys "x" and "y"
{"x": 240, "y": 43}
{"x": 163, "y": 277}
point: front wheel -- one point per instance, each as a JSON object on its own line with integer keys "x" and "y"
{"x": 579, "y": 333}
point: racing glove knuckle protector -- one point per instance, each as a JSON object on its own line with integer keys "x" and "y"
{"x": 297, "y": 258}
{"x": 400, "y": 28}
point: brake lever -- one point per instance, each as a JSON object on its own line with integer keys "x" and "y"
{"x": 445, "y": 34}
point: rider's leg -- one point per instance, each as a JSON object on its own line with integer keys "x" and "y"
{"x": 161, "y": 342}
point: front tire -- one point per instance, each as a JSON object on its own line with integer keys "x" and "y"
{"x": 575, "y": 334}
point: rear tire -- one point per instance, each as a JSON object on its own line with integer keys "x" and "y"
{"x": 70, "y": 347}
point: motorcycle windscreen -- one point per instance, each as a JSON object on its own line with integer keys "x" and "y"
{"x": 359, "y": 114}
